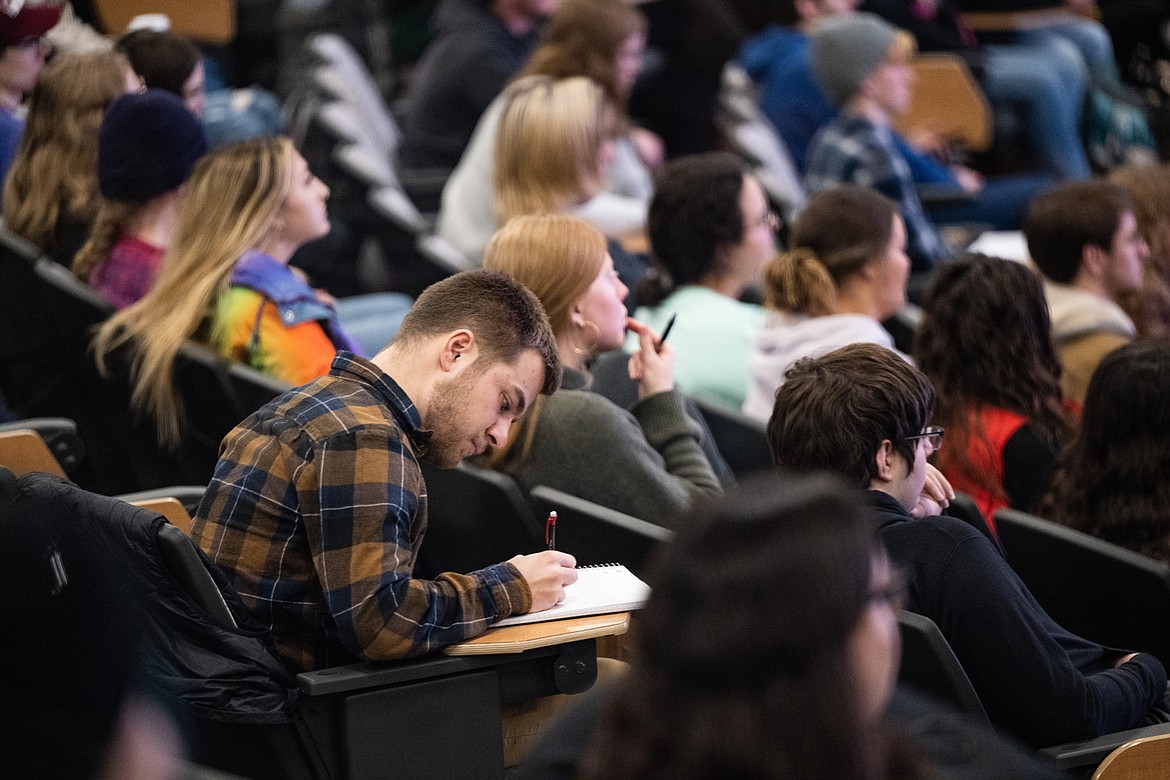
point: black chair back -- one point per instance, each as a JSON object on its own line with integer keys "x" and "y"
{"x": 740, "y": 438}
{"x": 596, "y": 534}
{"x": 254, "y": 388}
{"x": 46, "y": 320}
{"x": 1098, "y": 590}
{"x": 476, "y": 517}
{"x": 963, "y": 507}
{"x": 930, "y": 666}
{"x": 182, "y": 561}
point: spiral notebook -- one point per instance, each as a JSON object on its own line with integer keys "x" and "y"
{"x": 600, "y": 589}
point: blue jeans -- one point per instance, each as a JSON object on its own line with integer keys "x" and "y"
{"x": 372, "y": 320}
{"x": 1001, "y": 204}
{"x": 1045, "y": 84}
{"x": 226, "y": 120}
{"x": 1090, "y": 39}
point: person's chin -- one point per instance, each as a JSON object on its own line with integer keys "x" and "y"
{"x": 444, "y": 460}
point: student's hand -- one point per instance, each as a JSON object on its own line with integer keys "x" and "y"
{"x": 1124, "y": 660}
{"x": 547, "y": 573}
{"x": 971, "y": 181}
{"x": 927, "y": 139}
{"x": 649, "y": 147}
{"x": 936, "y": 494}
{"x": 652, "y": 365}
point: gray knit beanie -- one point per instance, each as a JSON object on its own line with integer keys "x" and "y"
{"x": 846, "y": 49}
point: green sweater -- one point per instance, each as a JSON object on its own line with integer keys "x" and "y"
{"x": 646, "y": 462}
{"x": 712, "y": 339}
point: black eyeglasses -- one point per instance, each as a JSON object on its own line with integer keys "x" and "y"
{"x": 933, "y": 435}
{"x": 770, "y": 218}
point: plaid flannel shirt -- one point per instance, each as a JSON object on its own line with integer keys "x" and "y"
{"x": 315, "y": 512}
{"x": 853, "y": 150}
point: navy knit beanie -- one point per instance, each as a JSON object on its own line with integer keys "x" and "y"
{"x": 147, "y": 145}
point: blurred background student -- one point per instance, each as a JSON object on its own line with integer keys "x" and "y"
{"x": 1114, "y": 477}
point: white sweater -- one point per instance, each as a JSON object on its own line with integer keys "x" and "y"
{"x": 467, "y": 215}
{"x": 786, "y": 338}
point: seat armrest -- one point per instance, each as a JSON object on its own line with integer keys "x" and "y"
{"x": 580, "y": 658}
{"x": 187, "y": 495}
{"x": 1091, "y": 752}
{"x": 943, "y": 194}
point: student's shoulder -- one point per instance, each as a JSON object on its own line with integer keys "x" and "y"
{"x": 940, "y": 534}
{"x": 333, "y": 407}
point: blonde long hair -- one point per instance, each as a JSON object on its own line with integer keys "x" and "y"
{"x": 548, "y": 149}
{"x": 54, "y": 173}
{"x": 557, "y": 257}
{"x": 228, "y": 207}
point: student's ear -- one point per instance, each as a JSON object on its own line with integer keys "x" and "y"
{"x": 459, "y": 350}
{"x": 885, "y": 460}
{"x": 806, "y": 9}
{"x": 867, "y": 88}
{"x": 576, "y": 318}
{"x": 1094, "y": 261}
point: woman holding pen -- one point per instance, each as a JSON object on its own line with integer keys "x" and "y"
{"x": 647, "y": 461}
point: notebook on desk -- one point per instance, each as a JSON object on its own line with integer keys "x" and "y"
{"x": 598, "y": 590}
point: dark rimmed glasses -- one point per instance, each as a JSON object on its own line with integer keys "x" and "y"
{"x": 933, "y": 435}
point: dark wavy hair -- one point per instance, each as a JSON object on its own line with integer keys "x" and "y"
{"x": 1114, "y": 478}
{"x": 741, "y": 666}
{"x": 986, "y": 341}
{"x": 694, "y": 212}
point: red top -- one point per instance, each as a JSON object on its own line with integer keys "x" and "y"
{"x": 989, "y": 428}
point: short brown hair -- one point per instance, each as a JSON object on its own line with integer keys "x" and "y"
{"x": 833, "y": 412}
{"x": 504, "y": 316}
{"x": 161, "y": 58}
{"x": 1061, "y": 222}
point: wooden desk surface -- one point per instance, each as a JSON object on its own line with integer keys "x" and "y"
{"x": 517, "y": 639}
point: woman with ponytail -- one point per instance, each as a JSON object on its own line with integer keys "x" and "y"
{"x": 845, "y": 273}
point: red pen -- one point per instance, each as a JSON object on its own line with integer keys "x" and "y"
{"x": 550, "y": 531}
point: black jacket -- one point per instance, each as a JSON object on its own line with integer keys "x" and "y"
{"x": 1036, "y": 680}
{"x": 219, "y": 673}
{"x": 467, "y": 64}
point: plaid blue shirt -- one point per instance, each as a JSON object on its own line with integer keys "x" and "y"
{"x": 316, "y": 511}
{"x": 853, "y": 150}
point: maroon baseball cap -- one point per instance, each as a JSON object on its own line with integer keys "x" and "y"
{"x": 24, "y": 21}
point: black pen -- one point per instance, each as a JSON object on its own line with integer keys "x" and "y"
{"x": 666, "y": 332}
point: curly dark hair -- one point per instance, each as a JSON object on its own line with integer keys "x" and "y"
{"x": 1114, "y": 478}
{"x": 694, "y": 212}
{"x": 986, "y": 341}
{"x": 745, "y": 638}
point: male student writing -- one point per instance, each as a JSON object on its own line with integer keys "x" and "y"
{"x": 317, "y": 506}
